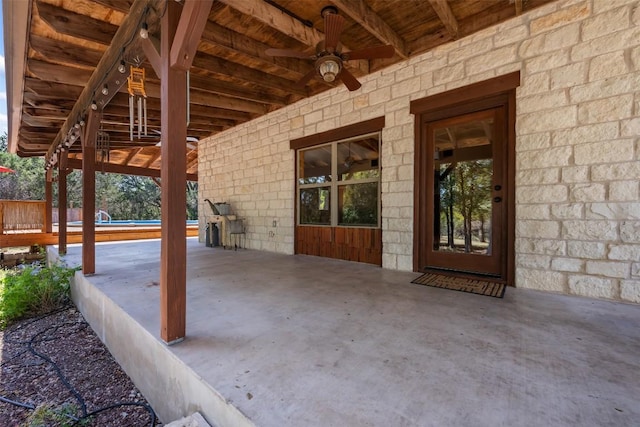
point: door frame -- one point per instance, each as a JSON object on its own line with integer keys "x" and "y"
{"x": 493, "y": 93}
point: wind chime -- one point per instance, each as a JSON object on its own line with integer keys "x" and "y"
{"x": 137, "y": 98}
{"x": 102, "y": 147}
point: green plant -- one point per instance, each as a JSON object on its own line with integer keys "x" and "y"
{"x": 37, "y": 249}
{"x": 47, "y": 415}
{"x": 32, "y": 290}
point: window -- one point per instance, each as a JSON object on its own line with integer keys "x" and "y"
{"x": 339, "y": 183}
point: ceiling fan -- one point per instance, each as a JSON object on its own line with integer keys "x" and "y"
{"x": 191, "y": 141}
{"x": 329, "y": 58}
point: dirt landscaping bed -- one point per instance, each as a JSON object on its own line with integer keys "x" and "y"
{"x": 54, "y": 368}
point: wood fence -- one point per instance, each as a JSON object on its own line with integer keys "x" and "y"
{"x": 22, "y": 215}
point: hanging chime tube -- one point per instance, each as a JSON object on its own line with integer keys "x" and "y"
{"x": 144, "y": 102}
{"x": 139, "y": 117}
{"x": 131, "y": 117}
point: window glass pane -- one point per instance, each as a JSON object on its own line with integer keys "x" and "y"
{"x": 358, "y": 159}
{"x": 315, "y": 165}
{"x": 358, "y": 204}
{"x": 315, "y": 207}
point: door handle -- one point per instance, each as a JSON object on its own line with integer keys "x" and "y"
{"x": 497, "y": 199}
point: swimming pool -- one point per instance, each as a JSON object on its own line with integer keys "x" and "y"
{"x": 129, "y": 223}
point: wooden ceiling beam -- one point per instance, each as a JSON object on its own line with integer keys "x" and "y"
{"x": 274, "y": 17}
{"x": 121, "y": 115}
{"x": 222, "y": 113}
{"x": 57, "y": 73}
{"x": 60, "y": 51}
{"x": 207, "y": 84}
{"x": 122, "y": 100}
{"x": 196, "y": 123}
{"x": 46, "y": 103}
{"x": 152, "y": 159}
{"x": 216, "y": 33}
{"x": 204, "y": 121}
{"x": 493, "y": 15}
{"x": 117, "y": 125}
{"x": 369, "y": 20}
{"x": 130, "y": 156}
{"x": 429, "y": 42}
{"x": 124, "y": 42}
{"x": 193, "y": 19}
{"x": 35, "y": 121}
{"x": 70, "y": 54}
{"x": 287, "y": 25}
{"x": 444, "y": 12}
{"x": 192, "y": 163}
{"x": 49, "y": 89}
{"x": 28, "y": 147}
{"x": 151, "y": 52}
{"x": 67, "y": 75}
{"x": 58, "y": 15}
{"x": 237, "y": 71}
{"x": 37, "y": 136}
{"x": 239, "y": 44}
{"x": 50, "y": 114}
{"x": 74, "y": 24}
{"x": 119, "y": 5}
{"x": 74, "y": 163}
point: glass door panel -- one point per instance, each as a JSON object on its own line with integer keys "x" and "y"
{"x": 465, "y": 201}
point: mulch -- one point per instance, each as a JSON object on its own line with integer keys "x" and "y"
{"x": 58, "y": 361}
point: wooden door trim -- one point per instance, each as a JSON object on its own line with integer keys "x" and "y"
{"x": 475, "y": 91}
{"x": 493, "y": 93}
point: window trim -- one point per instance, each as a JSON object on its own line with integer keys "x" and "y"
{"x": 357, "y": 129}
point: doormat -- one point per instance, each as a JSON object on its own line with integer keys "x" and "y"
{"x": 474, "y": 286}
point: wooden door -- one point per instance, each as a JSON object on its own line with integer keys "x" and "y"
{"x": 465, "y": 190}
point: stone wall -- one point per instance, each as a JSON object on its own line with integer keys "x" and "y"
{"x": 577, "y": 143}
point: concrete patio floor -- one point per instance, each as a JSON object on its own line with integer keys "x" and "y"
{"x": 306, "y": 341}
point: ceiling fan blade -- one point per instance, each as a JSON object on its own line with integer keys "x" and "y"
{"x": 383, "y": 51}
{"x": 305, "y": 79}
{"x": 349, "y": 80}
{"x": 333, "y": 26}
{"x": 288, "y": 53}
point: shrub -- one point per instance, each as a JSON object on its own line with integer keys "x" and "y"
{"x": 32, "y": 290}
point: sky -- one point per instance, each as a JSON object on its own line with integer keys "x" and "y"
{"x": 3, "y": 90}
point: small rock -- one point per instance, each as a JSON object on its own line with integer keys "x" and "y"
{"x": 193, "y": 420}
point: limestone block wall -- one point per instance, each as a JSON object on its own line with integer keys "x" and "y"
{"x": 577, "y": 147}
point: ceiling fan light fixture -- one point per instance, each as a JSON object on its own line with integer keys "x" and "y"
{"x": 329, "y": 67}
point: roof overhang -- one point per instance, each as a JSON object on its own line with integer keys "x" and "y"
{"x": 16, "y": 16}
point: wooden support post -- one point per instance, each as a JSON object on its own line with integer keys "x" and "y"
{"x": 62, "y": 208}
{"x": 88, "y": 138}
{"x": 173, "y": 170}
{"x": 48, "y": 201}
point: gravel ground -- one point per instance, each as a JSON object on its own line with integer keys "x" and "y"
{"x": 38, "y": 356}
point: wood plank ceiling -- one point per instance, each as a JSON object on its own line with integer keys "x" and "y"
{"x": 232, "y": 79}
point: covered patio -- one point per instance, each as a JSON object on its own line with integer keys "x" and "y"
{"x": 280, "y": 340}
